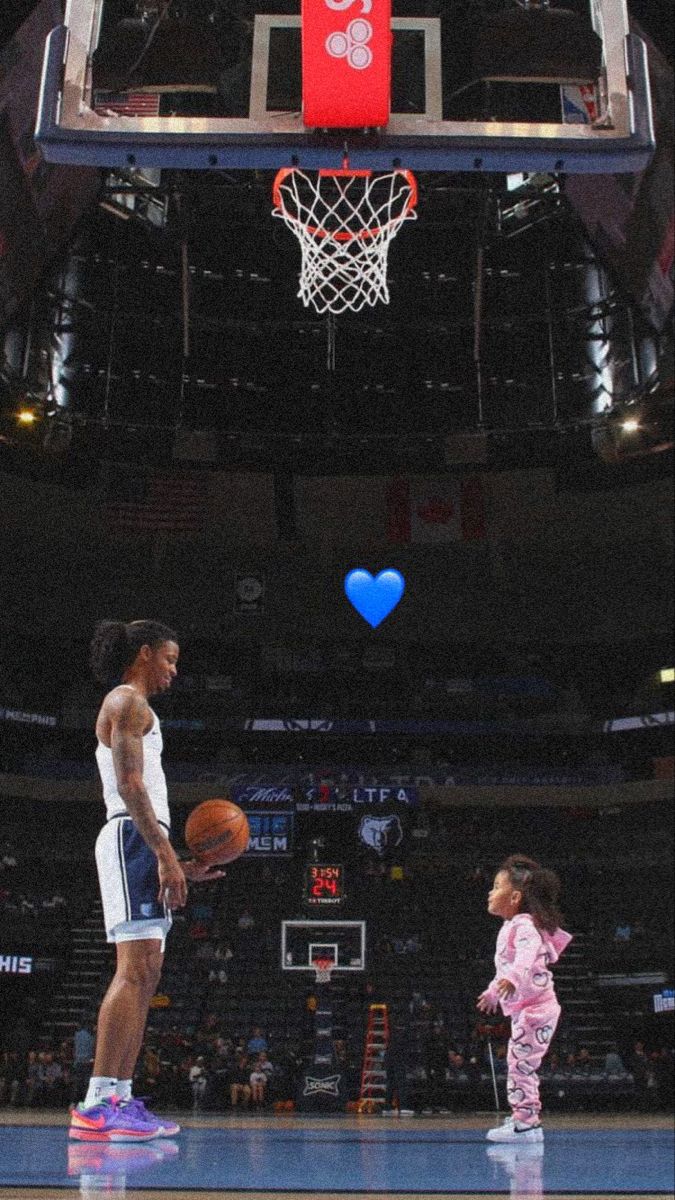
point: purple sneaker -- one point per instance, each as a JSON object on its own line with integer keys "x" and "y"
{"x": 164, "y": 1127}
{"x": 111, "y": 1122}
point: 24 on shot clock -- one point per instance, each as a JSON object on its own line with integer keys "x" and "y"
{"x": 324, "y": 883}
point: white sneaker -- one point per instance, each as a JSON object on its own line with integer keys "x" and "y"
{"x": 514, "y": 1133}
{"x": 507, "y": 1123}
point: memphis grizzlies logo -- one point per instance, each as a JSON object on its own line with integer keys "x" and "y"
{"x": 381, "y": 833}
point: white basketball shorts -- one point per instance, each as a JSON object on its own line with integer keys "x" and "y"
{"x": 129, "y": 882}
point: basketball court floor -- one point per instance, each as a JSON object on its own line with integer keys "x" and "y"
{"x": 298, "y": 1157}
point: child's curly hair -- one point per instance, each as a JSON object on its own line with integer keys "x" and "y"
{"x": 540, "y": 889}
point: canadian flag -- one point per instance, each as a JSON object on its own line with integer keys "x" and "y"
{"x": 440, "y": 509}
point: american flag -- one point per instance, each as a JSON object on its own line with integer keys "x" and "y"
{"x": 127, "y": 104}
{"x": 150, "y": 503}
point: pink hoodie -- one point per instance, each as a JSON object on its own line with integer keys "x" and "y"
{"x": 522, "y": 956}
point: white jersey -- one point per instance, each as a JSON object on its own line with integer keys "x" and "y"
{"x": 153, "y": 776}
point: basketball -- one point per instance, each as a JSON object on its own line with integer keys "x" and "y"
{"x": 217, "y": 832}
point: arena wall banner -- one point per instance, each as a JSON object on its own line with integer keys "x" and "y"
{"x": 664, "y": 1001}
{"x": 20, "y": 717}
{"x": 18, "y": 788}
{"x": 571, "y": 724}
{"x": 557, "y": 722}
{"x": 344, "y": 790}
{"x": 271, "y": 835}
{"x": 327, "y": 797}
{"x": 258, "y": 793}
{"x": 15, "y": 964}
{"x": 355, "y": 787}
{"x": 384, "y": 794}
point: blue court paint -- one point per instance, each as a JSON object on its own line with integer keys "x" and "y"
{"x": 345, "y": 1160}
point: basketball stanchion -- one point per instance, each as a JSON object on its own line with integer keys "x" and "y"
{"x": 323, "y": 1084}
{"x": 345, "y": 221}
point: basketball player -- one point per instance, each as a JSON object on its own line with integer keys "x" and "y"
{"x": 140, "y": 877}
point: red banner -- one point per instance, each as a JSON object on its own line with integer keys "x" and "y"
{"x": 346, "y": 63}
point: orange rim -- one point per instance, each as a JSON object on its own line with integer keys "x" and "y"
{"x": 362, "y": 234}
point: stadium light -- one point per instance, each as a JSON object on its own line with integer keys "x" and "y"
{"x": 26, "y": 416}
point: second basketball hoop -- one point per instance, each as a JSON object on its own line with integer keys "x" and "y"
{"x": 345, "y": 221}
{"x": 323, "y": 969}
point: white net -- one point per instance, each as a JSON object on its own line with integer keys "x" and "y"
{"x": 345, "y": 221}
{"x": 323, "y": 969}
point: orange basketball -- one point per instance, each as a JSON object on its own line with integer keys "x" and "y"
{"x": 217, "y": 832}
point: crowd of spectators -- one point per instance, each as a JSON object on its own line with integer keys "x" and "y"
{"x": 229, "y": 1030}
{"x": 30, "y": 911}
{"x": 206, "y": 1070}
{"x": 304, "y": 758}
{"x": 338, "y": 681}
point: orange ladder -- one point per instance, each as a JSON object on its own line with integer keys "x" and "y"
{"x": 373, "y": 1073}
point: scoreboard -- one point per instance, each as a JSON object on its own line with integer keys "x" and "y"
{"x": 324, "y": 883}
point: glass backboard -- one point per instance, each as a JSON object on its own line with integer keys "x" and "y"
{"x": 343, "y": 943}
{"x": 131, "y": 83}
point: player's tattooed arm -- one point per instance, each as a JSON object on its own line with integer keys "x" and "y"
{"x": 128, "y": 714}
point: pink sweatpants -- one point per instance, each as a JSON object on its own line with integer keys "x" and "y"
{"x": 531, "y": 1032}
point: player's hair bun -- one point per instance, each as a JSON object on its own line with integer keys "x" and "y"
{"x": 109, "y": 651}
{"x": 115, "y": 645}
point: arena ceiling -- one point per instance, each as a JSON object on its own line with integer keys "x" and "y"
{"x": 170, "y": 326}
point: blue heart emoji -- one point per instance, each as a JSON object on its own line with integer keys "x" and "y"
{"x": 374, "y": 598}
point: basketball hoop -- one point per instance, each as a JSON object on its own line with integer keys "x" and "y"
{"x": 345, "y": 221}
{"x": 323, "y": 968}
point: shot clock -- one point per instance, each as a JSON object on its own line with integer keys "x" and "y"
{"x": 324, "y": 883}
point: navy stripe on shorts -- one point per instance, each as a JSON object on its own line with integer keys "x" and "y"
{"x": 140, "y": 875}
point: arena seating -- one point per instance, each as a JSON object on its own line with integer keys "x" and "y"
{"x": 430, "y": 945}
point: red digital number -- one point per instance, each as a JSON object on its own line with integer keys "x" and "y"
{"x": 325, "y": 881}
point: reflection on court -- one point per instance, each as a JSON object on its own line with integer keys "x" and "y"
{"x": 342, "y": 1157}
